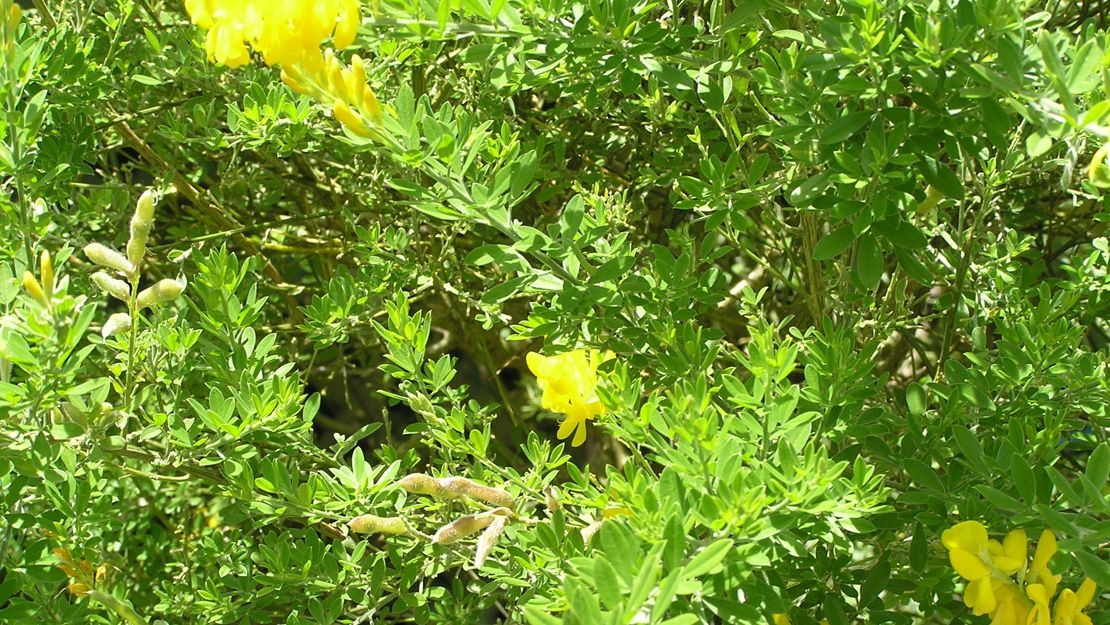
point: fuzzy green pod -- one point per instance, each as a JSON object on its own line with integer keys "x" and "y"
{"x": 461, "y": 486}
{"x": 468, "y": 525}
{"x": 372, "y": 524}
{"x": 165, "y": 290}
{"x": 119, "y": 322}
{"x": 141, "y": 222}
{"x": 107, "y": 257}
{"x": 420, "y": 484}
{"x": 113, "y": 286}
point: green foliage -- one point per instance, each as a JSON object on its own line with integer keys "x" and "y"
{"x": 850, "y": 258}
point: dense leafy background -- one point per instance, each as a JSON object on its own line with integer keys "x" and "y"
{"x": 847, "y": 255}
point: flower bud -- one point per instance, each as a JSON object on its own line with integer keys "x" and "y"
{"x": 46, "y": 273}
{"x": 371, "y": 524}
{"x": 34, "y": 289}
{"x": 119, "y": 322}
{"x": 488, "y": 539}
{"x": 164, "y": 291}
{"x": 349, "y": 119}
{"x": 107, "y": 257}
{"x": 113, "y": 286}
{"x": 140, "y": 227}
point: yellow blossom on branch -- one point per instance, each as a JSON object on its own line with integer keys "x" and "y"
{"x": 569, "y": 385}
{"x": 288, "y": 34}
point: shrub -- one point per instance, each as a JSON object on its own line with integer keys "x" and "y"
{"x": 547, "y": 312}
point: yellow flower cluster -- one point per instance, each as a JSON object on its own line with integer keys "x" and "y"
{"x": 569, "y": 385}
{"x": 288, "y": 34}
{"x": 284, "y": 31}
{"x": 989, "y": 567}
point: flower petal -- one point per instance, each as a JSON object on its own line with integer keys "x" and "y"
{"x": 579, "y": 435}
{"x": 1085, "y": 594}
{"x": 969, "y": 566}
{"x": 970, "y": 536}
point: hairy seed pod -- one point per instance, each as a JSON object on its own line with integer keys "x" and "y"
{"x": 46, "y": 273}
{"x": 420, "y": 484}
{"x": 113, "y": 286}
{"x": 488, "y": 539}
{"x": 107, "y": 257}
{"x": 141, "y": 222}
{"x": 371, "y": 524}
{"x": 462, "y": 486}
{"x": 165, "y": 290}
{"x": 119, "y": 322}
{"x": 460, "y": 528}
{"x": 34, "y": 289}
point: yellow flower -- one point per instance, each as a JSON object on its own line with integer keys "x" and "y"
{"x": 283, "y": 31}
{"x": 1069, "y": 607}
{"x": 1041, "y": 583}
{"x": 569, "y": 384}
{"x": 985, "y": 563}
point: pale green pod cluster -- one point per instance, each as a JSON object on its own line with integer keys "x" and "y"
{"x": 127, "y": 266}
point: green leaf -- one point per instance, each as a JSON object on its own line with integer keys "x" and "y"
{"x": 812, "y": 187}
{"x": 571, "y": 219}
{"x": 874, "y": 583}
{"x": 708, "y": 559}
{"x": 1098, "y": 465}
{"x": 834, "y": 243}
{"x": 1098, "y": 569}
{"x": 607, "y": 583}
{"x": 869, "y": 262}
{"x": 942, "y": 178}
{"x": 537, "y": 616}
{"x": 916, "y": 399}
{"x": 923, "y": 474}
{"x": 844, "y": 127}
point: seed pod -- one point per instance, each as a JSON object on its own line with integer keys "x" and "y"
{"x": 463, "y": 486}
{"x": 420, "y": 484}
{"x": 371, "y": 524}
{"x": 112, "y": 286}
{"x": 119, "y": 322}
{"x": 107, "y": 257}
{"x": 461, "y": 528}
{"x": 488, "y": 539}
{"x": 165, "y": 290}
{"x": 34, "y": 289}
{"x": 46, "y": 273}
{"x": 141, "y": 222}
